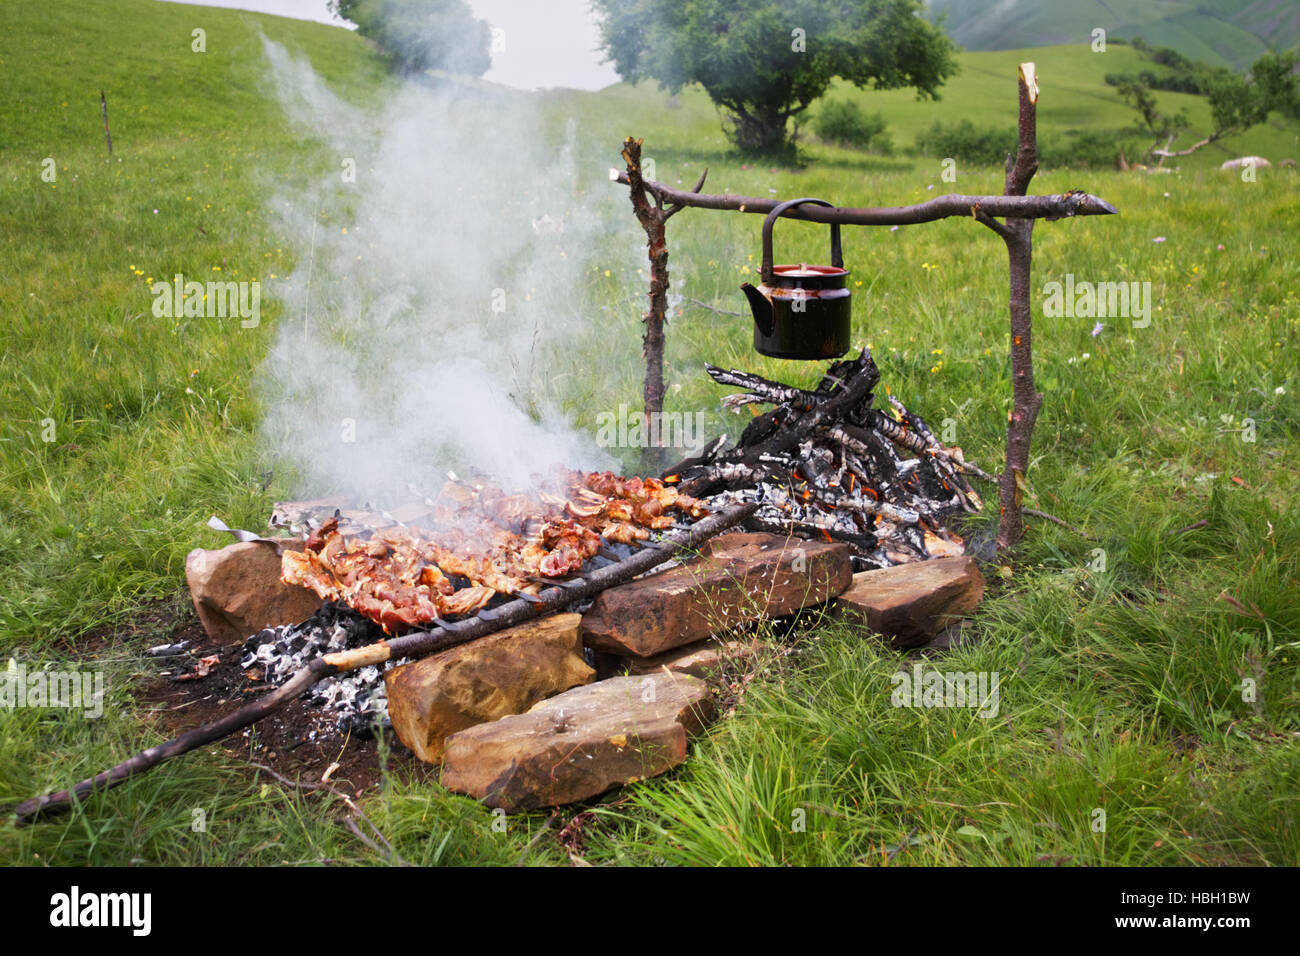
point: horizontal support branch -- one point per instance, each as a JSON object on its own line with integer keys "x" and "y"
{"x": 1060, "y": 206}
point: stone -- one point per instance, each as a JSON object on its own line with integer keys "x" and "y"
{"x": 738, "y": 578}
{"x": 705, "y": 660}
{"x": 1258, "y": 162}
{"x": 495, "y": 676}
{"x": 237, "y": 590}
{"x": 911, "y": 603}
{"x": 579, "y": 744}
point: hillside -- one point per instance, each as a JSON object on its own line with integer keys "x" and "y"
{"x": 1075, "y": 98}
{"x": 1220, "y": 32}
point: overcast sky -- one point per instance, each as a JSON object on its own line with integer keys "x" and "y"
{"x": 547, "y": 42}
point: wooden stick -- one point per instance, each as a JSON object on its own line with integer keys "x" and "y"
{"x": 952, "y": 205}
{"x": 652, "y": 218}
{"x": 103, "y": 108}
{"x": 349, "y": 803}
{"x": 1018, "y": 234}
{"x": 417, "y": 644}
{"x": 1055, "y": 520}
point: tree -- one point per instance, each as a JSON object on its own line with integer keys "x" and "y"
{"x": 420, "y": 35}
{"x": 1236, "y": 102}
{"x": 763, "y": 62}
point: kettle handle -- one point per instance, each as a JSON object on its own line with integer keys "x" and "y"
{"x": 837, "y": 257}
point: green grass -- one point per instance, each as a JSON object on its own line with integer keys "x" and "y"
{"x": 1120, "y": 688}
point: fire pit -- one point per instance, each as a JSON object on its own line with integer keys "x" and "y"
{"x": 822, "y": 464}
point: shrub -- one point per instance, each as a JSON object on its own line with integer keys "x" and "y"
{"x": 1089, "y": 149}
{"x": 844, "y": 122}
{"x": 966, "y": 142}
{"x": 1079, "y": 149}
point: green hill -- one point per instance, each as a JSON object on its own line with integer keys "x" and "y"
{"x": 1075, "y": 98}
{"x": 1220, "y": 32}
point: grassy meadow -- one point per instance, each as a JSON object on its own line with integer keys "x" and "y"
{"x": 1121, "y": 671}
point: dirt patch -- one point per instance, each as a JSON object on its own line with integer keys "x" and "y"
{"x": 297, "y": 741}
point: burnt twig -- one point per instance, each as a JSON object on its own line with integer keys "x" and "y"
{"x": 348, "y": 821}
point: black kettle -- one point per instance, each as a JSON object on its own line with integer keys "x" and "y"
{"x": 801, "y": 311}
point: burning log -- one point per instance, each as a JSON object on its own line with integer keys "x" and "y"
{"x": 417, "y": 644}
{"x": 826, "y": 463}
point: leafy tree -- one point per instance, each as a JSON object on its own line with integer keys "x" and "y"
{"x": 420, "y": 35}
{"x": 1236, "y": 102}
{"x": 763, "y": 62}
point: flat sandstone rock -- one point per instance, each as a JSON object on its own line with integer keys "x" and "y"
{"x": 738, "y": 578}
{"x": 579, "y": 744}
{"x": 911, "y": 603}
{"x": 496, "y": 676}
{"x": 237, "y": 591}
{"x": 706, "y": 660}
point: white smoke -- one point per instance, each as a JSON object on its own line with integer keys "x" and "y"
{"x": 431, "y": 303}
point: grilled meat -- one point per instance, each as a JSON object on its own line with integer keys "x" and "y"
{"x": 495, "y": 543}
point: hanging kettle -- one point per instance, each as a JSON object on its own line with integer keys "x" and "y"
{"x": 800, "y": 311}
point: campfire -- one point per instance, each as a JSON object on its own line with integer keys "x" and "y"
{"x": 823, "y": 464}
{"x": 820, "y": 464}
{"x": 827, "y": 463}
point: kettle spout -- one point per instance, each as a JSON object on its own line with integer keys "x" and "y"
{"x": 761, "y": 306}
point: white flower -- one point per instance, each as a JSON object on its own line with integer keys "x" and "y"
{"x": 1280, "y": 390}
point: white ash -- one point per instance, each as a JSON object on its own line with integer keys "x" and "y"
{"x": 351, "y": 701}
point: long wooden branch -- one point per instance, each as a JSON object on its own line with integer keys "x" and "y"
{"x": 652, "y": 217}
{"x": 418, "y": 644}
{"x": 1026, "y": 401}
{"x": 1166, "y": 153}
{"x": 1021, "y": 206}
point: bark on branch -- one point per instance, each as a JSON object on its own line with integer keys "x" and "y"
{"x": 1011, "y": 206}
{"x": 1026, "y": 401}
{"x": 651, "y": 216}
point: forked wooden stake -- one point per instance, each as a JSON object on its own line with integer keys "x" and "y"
{"x": 1018, "y": 234}
{"x": 410, "y": 645}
